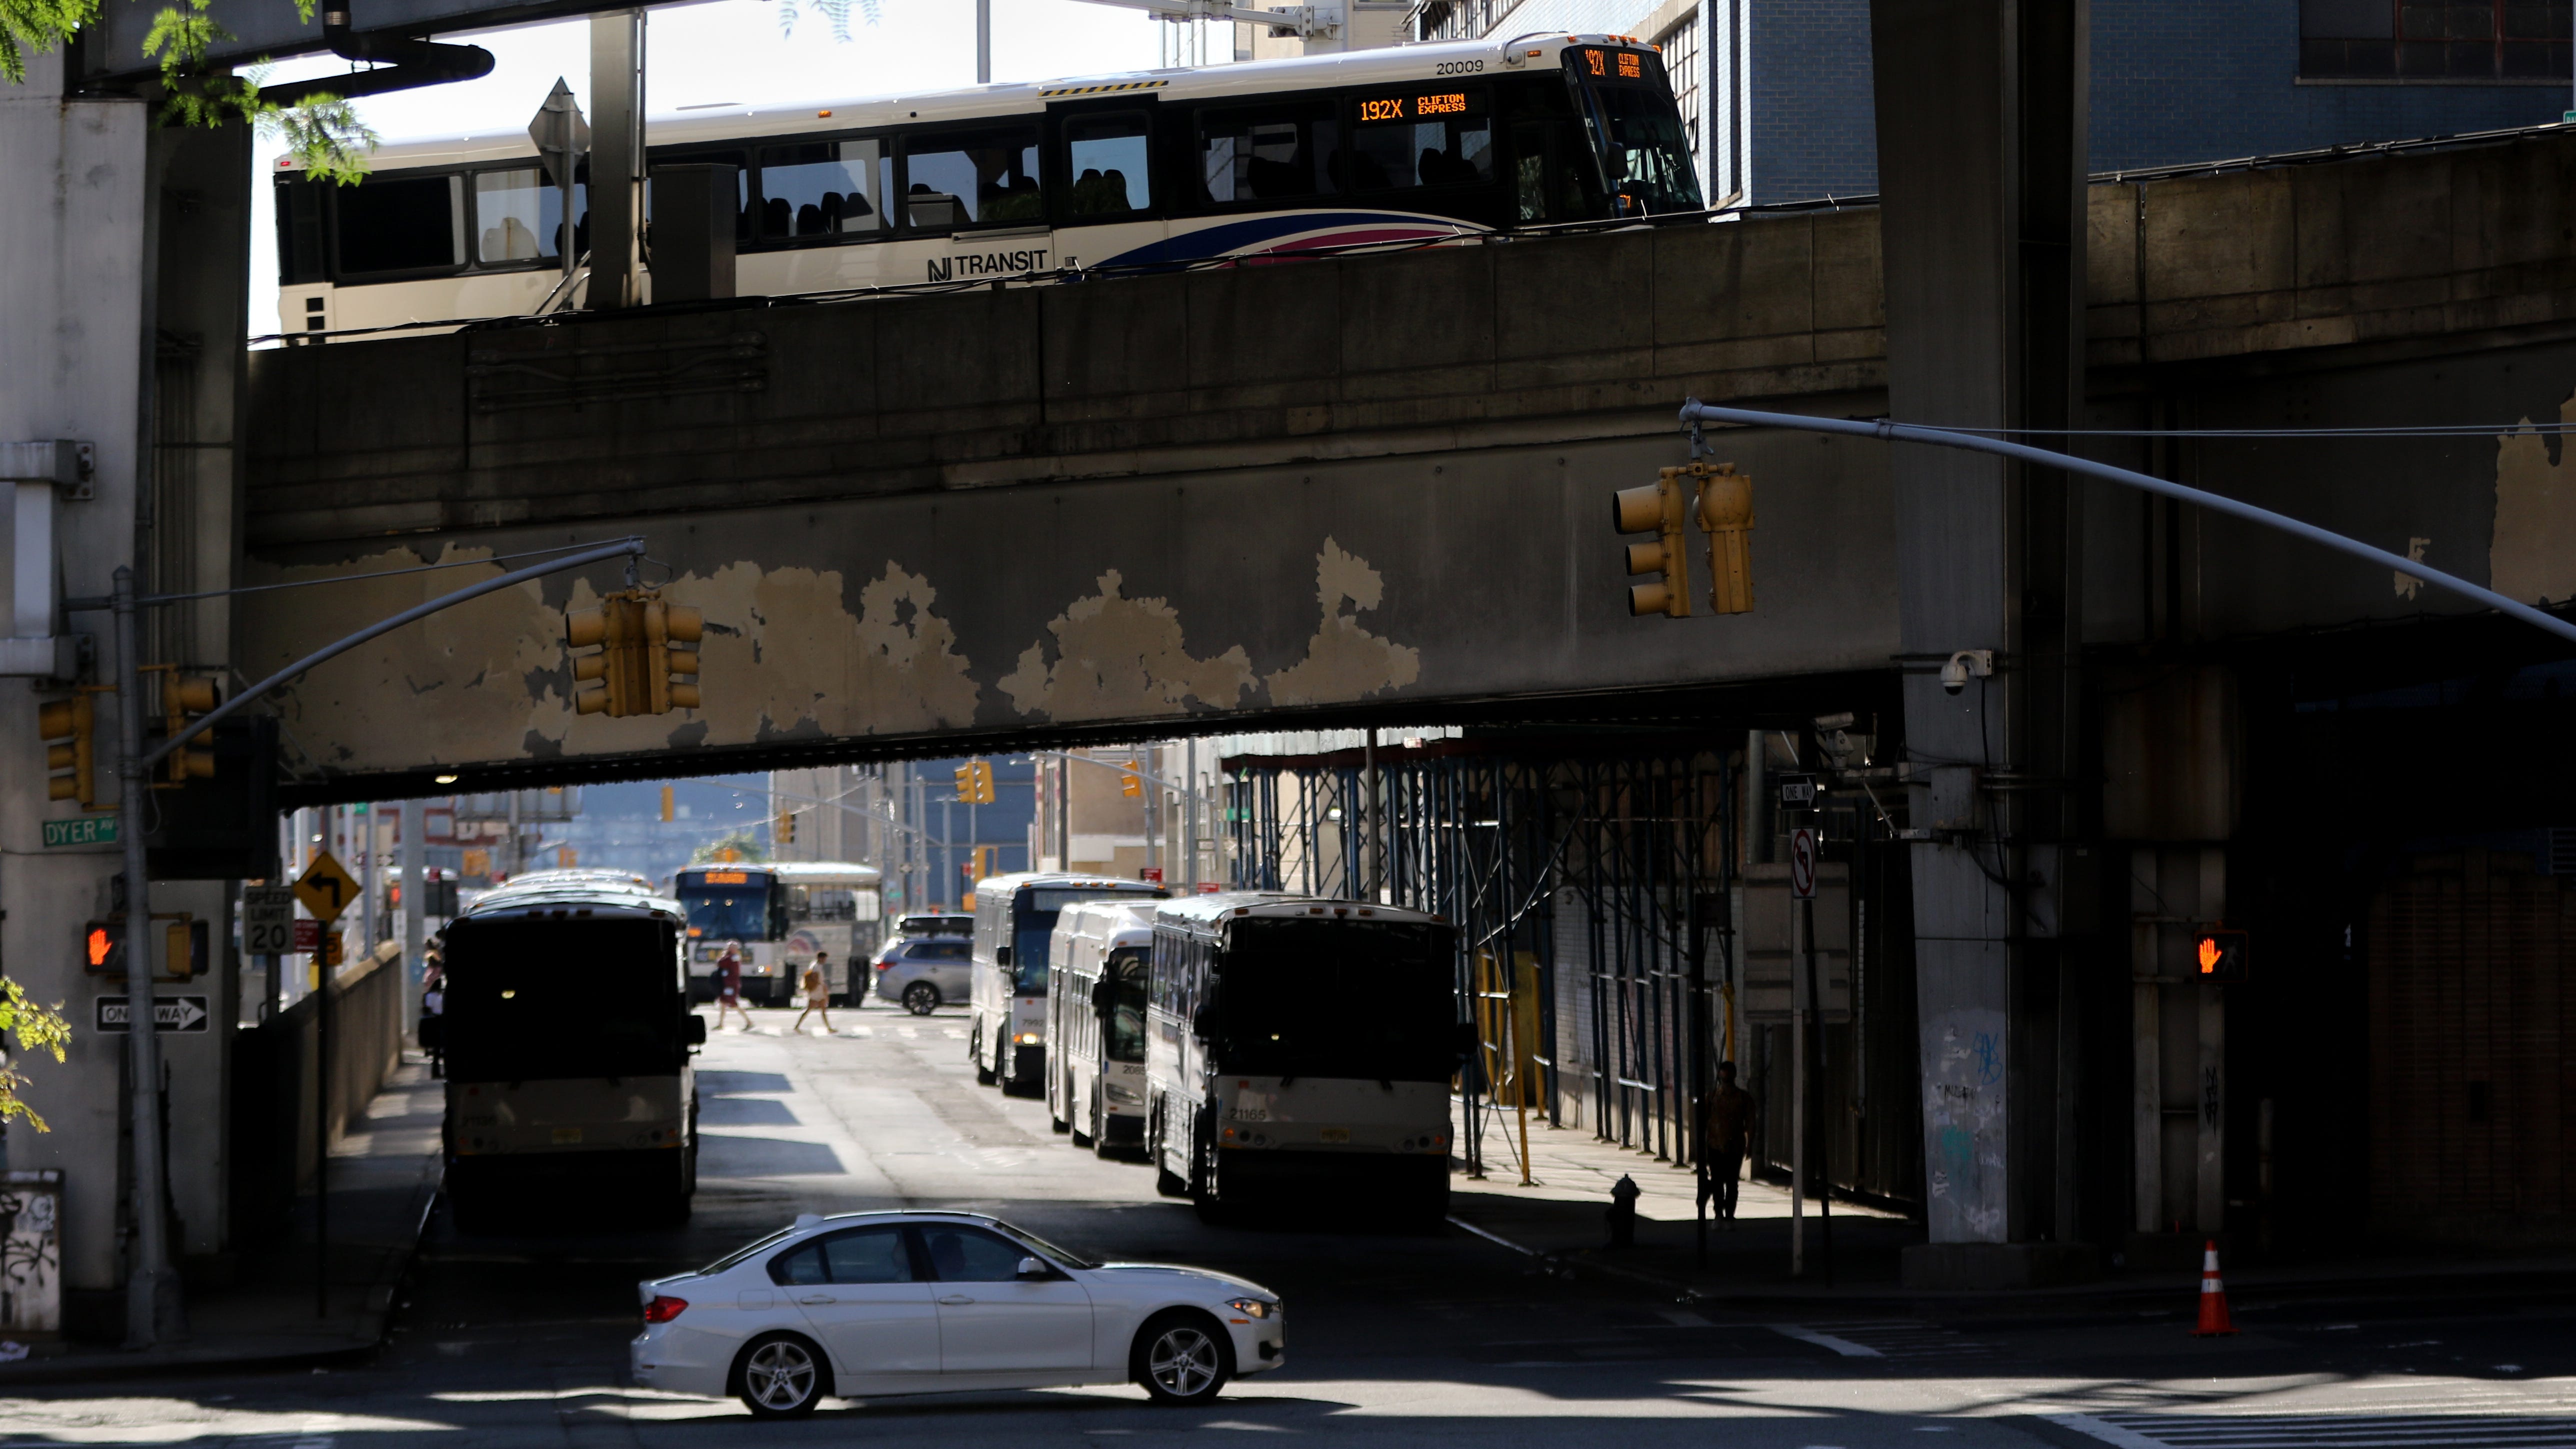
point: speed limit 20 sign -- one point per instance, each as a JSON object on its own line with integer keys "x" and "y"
{"x": 268, "y": 920}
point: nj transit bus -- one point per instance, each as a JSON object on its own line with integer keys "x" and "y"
{"x": 1030, "y": 182}
{"x": 1095, "y": 1033}
{"x": 782, "y": 913}
{"x": 1301, "y": 1047}
{"x": 1015, "y": 918}
{"x": 568, "y": 1037}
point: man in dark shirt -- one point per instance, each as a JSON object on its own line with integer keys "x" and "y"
{"x": 1725, "y": 1128}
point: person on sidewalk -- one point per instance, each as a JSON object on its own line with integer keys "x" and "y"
{"x": 433, "y": 1011}
{"x": 1725, "y": 1126}
{"x": 818, "y": 994}
{"x": 729, "y": 985}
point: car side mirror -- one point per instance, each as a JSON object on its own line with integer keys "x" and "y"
{"x": 1001, "y": 955}
{"x": 696, "y": 1031}
{"x": 1035, "y": 1268}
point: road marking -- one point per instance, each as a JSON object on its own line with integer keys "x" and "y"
{"x": 1843, "y": 1346}
{"x": 1903, "y": 1338}
{"x": 907, "y": 1031}
{"x": 2324, "y": 1431}
{"x": 956, "y": 1033}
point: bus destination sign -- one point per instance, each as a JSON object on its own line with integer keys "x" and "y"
{"x": 1407, "y": 108}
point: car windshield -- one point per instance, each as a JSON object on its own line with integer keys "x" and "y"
{"x": 1069, "y": 1259}
{"x": 1288, "y": 994}
{"x": 531, "y": 1000}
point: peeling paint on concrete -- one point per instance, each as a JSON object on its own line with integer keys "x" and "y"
{"x": 783, "y": 657}
{"x": 1344, "y": 661}
{"x": 1122, "y": 658}
{"x": 2532, "y": 556}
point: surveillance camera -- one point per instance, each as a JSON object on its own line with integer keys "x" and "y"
{"x": 1955, "y": 672}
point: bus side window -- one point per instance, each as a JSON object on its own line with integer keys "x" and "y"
{"x": 1107, "y": 163}
{"x": 820, "y": 189}
{"x": 1433, "y": 139}
{"x": 1264, "y": 153}
{"x": 299, "y": 231}
{"x": 518, "y": 216}
{"x": 972, "y": 178}
{"x": 403, "y": 224}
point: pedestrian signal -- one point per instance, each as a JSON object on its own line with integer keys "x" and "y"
{"x": 1130, "y": 783}
{"x": 2221, "y": 956}
{"x": 104, "y": 945}
{"x": 69, "y": 728}
{"x": 642, "y": 666}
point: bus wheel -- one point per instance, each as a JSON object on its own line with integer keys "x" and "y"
{"x": 1166, "y": 1181}
{"x": 1090, "y": 1120}
{"x": 983, "y": 1073}
{"x": 1057, "y": 1117}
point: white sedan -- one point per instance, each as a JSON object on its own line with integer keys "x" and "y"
{"x": 905, "y": 1303}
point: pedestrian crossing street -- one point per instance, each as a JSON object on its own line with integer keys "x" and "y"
{"x": 2451, "y": 1430}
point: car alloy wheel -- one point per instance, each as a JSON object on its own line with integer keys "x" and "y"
{"x": 781, "y": 1377}
{"x": 921, "y": 998}
{"x": 1180, "y": 1361}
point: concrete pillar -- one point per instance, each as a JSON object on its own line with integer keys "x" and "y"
{"x": 73, "y": 283}
{"x": 1980, "y": 110}
{"x": 616, "y": 158}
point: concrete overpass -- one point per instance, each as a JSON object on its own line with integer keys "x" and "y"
{"x": 1370, "y": 487}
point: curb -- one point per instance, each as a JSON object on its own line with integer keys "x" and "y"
{"x": 103, "y": 1368}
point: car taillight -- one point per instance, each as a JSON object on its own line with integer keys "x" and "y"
{"x": 663, "y": 1308}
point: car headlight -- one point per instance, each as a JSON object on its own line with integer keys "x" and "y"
{"x": 1030, "y": 1038}
{"x": 1121, "y": 1092}
{"x": 1252, "y": 1307}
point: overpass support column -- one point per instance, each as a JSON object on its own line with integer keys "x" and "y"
{"x": 1981, "y": 165}
{"x": 616, "y": 158}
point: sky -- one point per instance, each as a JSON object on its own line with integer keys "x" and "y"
{"x": 737, "y": 51}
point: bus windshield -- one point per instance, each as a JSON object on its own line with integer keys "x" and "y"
{"x": 529, "y": 1000}
{"x": 1369, "y": 1000}
{"x": 1124, "y": 1030}
{"x": 720, "y": 913}
{"x": 1635, "y": 129}
{"x": 1034, "y": 927}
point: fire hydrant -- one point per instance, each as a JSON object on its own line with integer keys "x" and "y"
{"x": 1623, "y": 1212}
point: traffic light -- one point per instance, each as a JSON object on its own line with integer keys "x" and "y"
{"x": 982, "y": 862}
{"x": 1726, "y": 516}
{"x": 182, "y": 700}
{"x": 640, "y": 668}
{"x": 1660, "y": 509}
{"x": 975, "y": 783}
{"x": 1131, "y": 784}
{"x": 184, "y": 951}
{"x": 786, "y": 831}
{"x": 2221, "y": 956}
{"x": 69, "y": 728}
{"x": 666, "y": 803}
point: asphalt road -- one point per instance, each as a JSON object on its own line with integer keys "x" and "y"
{"x": 1394, "y": 1338}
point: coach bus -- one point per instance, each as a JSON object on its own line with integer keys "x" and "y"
{"x": 1095, "y": 1031}
{"x": 1297, "y": 1047}
{"x": 1029, "y": 182}
{"x": 568, "y": 1036}
{"x": 1015, "y": 918}
{"x": 781, "y": 912}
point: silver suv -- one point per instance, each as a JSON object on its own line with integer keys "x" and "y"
{"x": 924, "y": 973}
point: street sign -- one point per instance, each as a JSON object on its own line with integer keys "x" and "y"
{"x": 1152, "y": 874}
{"x": 268, "y": 920}
{"x": 325, "y": 888}
{"x": 83, "y": 830}
{"x": 559, "y": 130}
{"x": 169, "y": 1013}
{"x": 1800, "y": 792}
{"x": 308, "y": 935}
{"x": 1802, "y": 864}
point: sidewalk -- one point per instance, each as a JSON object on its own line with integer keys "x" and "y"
{"x": 1560, "y": 1219}
{"x": 384, "y": 1175}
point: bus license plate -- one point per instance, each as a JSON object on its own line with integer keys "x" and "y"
{"x": 571, "y": 1136}
{"x": 1335, "y": 1134}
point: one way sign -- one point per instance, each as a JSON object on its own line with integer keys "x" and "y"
{"x": 169, "y": 1013}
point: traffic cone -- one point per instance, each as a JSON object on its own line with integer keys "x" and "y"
{"x": 2214, "y": 1322}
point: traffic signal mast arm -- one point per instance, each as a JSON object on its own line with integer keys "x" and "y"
{"x": 1695, "y": 411}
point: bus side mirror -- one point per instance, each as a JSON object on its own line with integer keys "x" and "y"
{"x": 1001, "y": 955}
{"x": 696, "y": 1031}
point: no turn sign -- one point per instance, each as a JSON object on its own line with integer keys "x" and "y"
{"x": 1802, "y": 864}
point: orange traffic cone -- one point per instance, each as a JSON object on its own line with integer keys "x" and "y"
{"x": 2214, "y": 1322}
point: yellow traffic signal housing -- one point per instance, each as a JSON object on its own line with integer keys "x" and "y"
{"x": 964, "y": 775}
{"x": 1131, "y": 784}
{"x": 642, "y": 666}
{"x": 786, "y": 831}
{"x": 986, "y": 856}
{"x": 667, "y": 812}
{"x": 1659, "y": 509}
{"x": 1726, "y": 516}
{"x": 182, "y": 700}
{"x": 975, "y": 782}
{"x": 69, "y": 728}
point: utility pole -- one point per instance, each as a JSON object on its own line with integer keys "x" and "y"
{"x": 152, "y": 1304}
{"x": 983, "y": 42}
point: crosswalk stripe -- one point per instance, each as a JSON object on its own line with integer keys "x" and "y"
{"x": 2442, "y": 1424}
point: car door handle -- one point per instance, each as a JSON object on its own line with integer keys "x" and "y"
{"x": 954, "y": 1299}
{"x": 819, "y": 1298}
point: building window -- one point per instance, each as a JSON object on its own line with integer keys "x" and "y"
{"x": 2434, "y": 40}
{"x": 1684, "y": 69}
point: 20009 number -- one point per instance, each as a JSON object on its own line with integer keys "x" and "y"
{"x": 1458, "y": 67}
